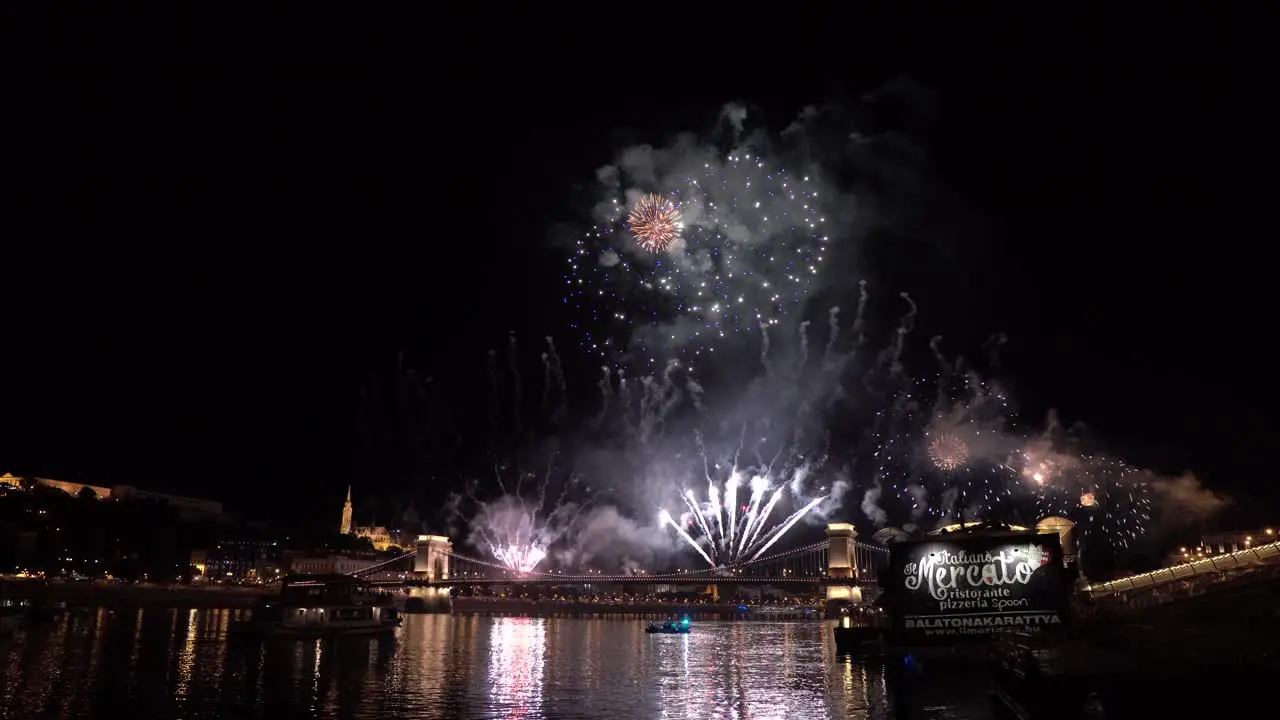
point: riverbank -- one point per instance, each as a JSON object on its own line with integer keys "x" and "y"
{"x": 123, "y": 595}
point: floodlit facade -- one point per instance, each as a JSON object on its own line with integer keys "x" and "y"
{"x": 380, "y": 536}
{"x": 186, "y": 505}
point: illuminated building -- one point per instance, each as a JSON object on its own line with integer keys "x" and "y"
{"x": 239, "y": 560}
{"x": 1221, "y": 543}
{"x": 345, "y": 528}
{"x": 186, "y": 505}
{"x": 377, "y": 534}
{"x": 304, "y": 564}
{"x": 1226, "y": 542}
{"x": 71, "y": 488}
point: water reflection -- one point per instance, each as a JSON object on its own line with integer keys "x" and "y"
{"x": 181, "y": 664}
{"x": 516, "y": 647}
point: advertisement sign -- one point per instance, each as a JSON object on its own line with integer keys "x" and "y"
{"x": 959, "y": 589}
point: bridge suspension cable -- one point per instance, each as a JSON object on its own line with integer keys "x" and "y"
{"x": 699, "y": 574}
{"x": 375, "y": 568}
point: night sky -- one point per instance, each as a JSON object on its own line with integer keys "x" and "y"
{"x": 209, "y": 249}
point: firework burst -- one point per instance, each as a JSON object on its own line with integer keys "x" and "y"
{"x": 948, "y": 452}
{"x": 517, "y": 531}
{"x": 655, "y": 221}
{"x": 752, "y": 241}
{"x": 728, "y": 529}
{"x": 1107, "y": 499}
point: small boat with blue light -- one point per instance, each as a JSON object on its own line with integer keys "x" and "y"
{"x": 670, "y": 627}
{"x": 311, "y": 605}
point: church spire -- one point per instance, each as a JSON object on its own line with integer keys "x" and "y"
{"x": 345, "y": 529}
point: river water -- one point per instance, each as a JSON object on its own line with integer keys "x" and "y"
{"x": 180, "y": 664}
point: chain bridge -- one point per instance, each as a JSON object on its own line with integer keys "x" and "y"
{"x": 842, "y": 565}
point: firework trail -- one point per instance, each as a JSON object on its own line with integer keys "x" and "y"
{"x": 495, "y": 400}
{"x": 553, "y": 379}
{"x": 950, "y": 463}
{"x": 833, "y": 337}
{"x": 604, "y": 384}
{"x": 804, "y": 346}
{"x": 519, "y": 525}
{"x": 659, "y": 396}
{"x": 764, "y": 350}
{"x": 860, "y": 317}
{"x": 517, "y": 401}
{"x": 770, "y": 477}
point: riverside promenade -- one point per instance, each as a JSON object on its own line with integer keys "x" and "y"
{"x": 137, "y": 595}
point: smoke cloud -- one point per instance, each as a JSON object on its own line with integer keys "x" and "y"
{"x": 871, "y": 507}
{"x": 1182, "y": 501}
{"x": 764, "y": 213}
{"x": 605, "y": 538}
{"x": 723, "y": 379}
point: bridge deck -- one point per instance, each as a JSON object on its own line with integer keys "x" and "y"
{"x": 628, "y": 580}
{"x": 803, "y": 566}
{"x": 1268, "y": 554}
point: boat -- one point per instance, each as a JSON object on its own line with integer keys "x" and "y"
{"x": 669, "y": 627}
{"x": 12, "y": 613}
{"x": 860, "y": 631}
{"x": 316, "y": 605}
{"x": 47, "y": 610}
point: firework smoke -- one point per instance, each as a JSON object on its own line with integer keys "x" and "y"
{"x": 603, "y": 537}
{"x": 1108, "y": 500}
{"x": 731, "y": 457}
{"x": 529, "y": 500}
{"x": 517, "y": 533}
{"x": 762, "y": 470}
{"x": 754, "y": 238}
{"x": 1182, "y": 501}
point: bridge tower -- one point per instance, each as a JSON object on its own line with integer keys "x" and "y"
{"x": 842, "y": 565}
{"x": 431, "y": 564}
{"x": 433, "y": 557}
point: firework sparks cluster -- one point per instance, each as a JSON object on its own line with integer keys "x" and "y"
{"x": 519, "y": 558}
{"x": 753, "y": 240}
{"x": 962, "y": 459}
{"x": 695, "y": 250}
{"x": 725, "y": 533}
{"x": 948, "y": 452}
{"x": 941, "y": 457}
{"x": 1107, "y": 499}
{"x": 517, "y": 531}
{"x": 655, "y": 222}
{"x": 944, "y": 458}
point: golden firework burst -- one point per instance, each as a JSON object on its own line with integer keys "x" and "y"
{"x": 948, "y": 452}
{"x": 655, "y": 220}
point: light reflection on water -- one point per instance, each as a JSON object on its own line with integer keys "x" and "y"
{"x": 180, "y": 664}
{"x": 516, "y": 649}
